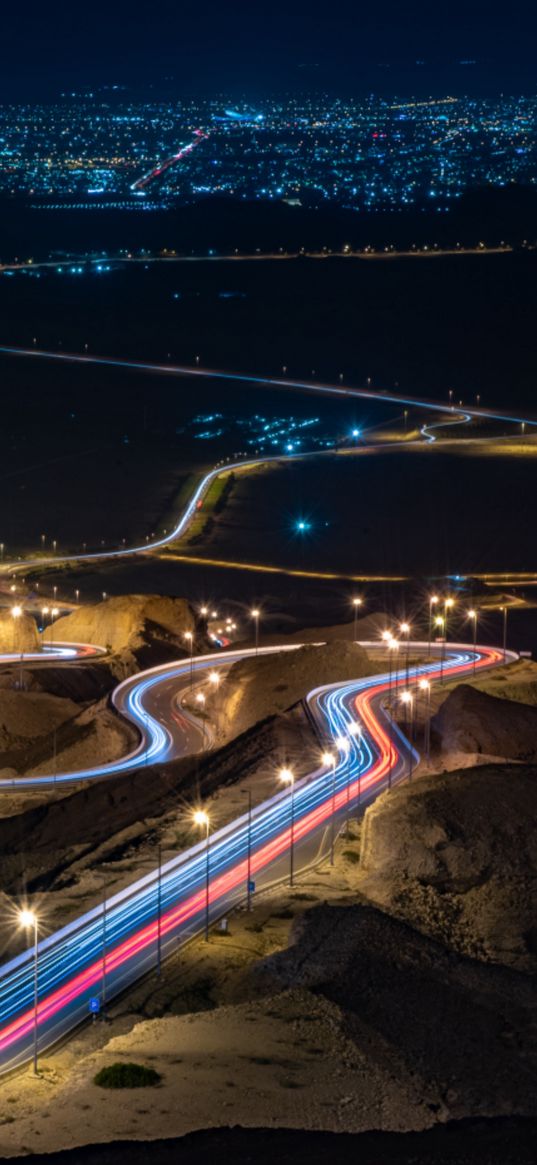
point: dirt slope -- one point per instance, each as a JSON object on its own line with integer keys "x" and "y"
{"x": 471, "y": 721}
{"x": 17, "y": 634}
{"x": 457, "y": 857}
{"x": 257, "y": 688}
{"x": 129, "y": 622}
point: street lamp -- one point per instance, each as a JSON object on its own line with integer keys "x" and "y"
{"x": 53, "y": 615}
{"x": 504, "y": 610}
{"x": 356, "y": 602}
{"x": 16, "y": 613}
{"x": 344, "y": 746}
{"x": 255, "y": 613}
{"x": 440, "y": 623}
{"x": 405, "y": 630}
{"x": 201, "y": 818}
{"x": 473, "y": 616}
{"x": 287, "y": 777}
{"x": 330, "y": 760}
{"x": 189, "y": 636}
{"x": 448, "y": 605}
{"x": 200, "y": 699}
{"x": 408, "y": 700}
{"x": 425, "y": 687}
{"x": 29, "y": 920}
{"x": 433, "y": 600}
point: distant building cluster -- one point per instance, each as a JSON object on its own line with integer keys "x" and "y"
{"x": 364, "y": 154}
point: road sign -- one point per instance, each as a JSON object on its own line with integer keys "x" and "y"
{"x": 95, "y": 1006}
{"x": 251, "y": 887}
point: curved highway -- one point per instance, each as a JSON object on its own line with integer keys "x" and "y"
{"x": 108, "y": 948}
{"x": 200, "y": 491}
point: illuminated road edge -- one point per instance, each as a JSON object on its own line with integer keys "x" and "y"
{"x": 200, "y": 491}
{"x": 106, "y": 950}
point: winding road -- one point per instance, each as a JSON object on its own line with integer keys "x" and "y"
{"x": 108, "y": 948}
{"x": 201, "y": 489}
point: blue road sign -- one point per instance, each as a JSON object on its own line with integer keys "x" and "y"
{"x": 251, "y": 887}
{"x": 94, "y": 1006}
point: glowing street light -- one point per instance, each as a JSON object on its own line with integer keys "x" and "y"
{"x": 344, "y": 746}
{"x": 504, "y": 612}
{"x": 433, "y": 600}
{"x": 357, "y": 603}
{"x": 16, "y": 613}
{"x": 200, "y": 700}
{"x": 287, "y": 777}
{"x": 408, "y": 700}
{"x": 405, "y": 630}
{"x": 189, "y": 636}
{"x": 425, "y": 687}
{"x": 29, "y": 920}
{"x": 329, "y": 759}
{"x": 255, "y": 613}
{"x": 202, "y": 819}
{"x": 474, "y": 616}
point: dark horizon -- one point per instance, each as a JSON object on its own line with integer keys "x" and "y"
{"x": 207, "y": 48}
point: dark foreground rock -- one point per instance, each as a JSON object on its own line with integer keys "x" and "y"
{"x": 456, "y": 855}
{"x": 471, "y": 721}
{"x": 481, "y": 1142}
{"x": 463, "y": 1030}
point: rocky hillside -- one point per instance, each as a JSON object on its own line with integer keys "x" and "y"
{"x": 130, "y": 623}
{"x": 17, "y": 634}
{"x": 457, "y": 857}
{"x": 257, "y": 688}
{"x": 470, "y": 721}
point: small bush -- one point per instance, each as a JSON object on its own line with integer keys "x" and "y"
{"x": 126, "y": 1076}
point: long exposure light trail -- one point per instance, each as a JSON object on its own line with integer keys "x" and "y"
{"x": 206, "y": 481}
{"x": 103, "y": 953}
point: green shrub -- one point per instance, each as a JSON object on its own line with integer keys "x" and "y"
{"x": 126, "y": 1076}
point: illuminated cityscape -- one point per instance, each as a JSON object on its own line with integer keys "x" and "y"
{"x": 268, "y": 583}
{"x": 365, "y": 154}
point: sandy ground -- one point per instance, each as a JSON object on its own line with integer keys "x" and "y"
{"x": 282, "y": 1060}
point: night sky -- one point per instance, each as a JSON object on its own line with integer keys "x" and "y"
{"x": 252, "y": 46}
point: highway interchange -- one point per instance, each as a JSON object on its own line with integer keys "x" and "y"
{"x": 111, "y": 946}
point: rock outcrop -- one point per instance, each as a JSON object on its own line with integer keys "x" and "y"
{"x": 18, "y": 634}
{"x": 470, "y": 721}
{"x": 129, "y": 623}
{"x": 266, "y": 686}
{"x": 457, "y": 857}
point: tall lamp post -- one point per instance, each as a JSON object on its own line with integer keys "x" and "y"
{"x": 201, "y": 818}
{"x": 16, "y": 613}
{"x": 249, "y": 853}
{"x": 287, "y": 777}
{"x": 448, "y": 606}
{"x": 255, "y": 613}
{"x": 53, "y": 615}
{"x": 440, "y": 622}
{"x": 189, "y": 636}
{"x": 425, "y": 687}
{"x": 504, "y": 612}
{"x": 433, "y": 599}
{"x": 29, "y": 920}
{"x": 405, "y": 630}
{"x": 200, "y": 699}
{"x": 473, "y": 616}
{"x": 408, "y": 700}
{"x": 357, "y": 603}
{"x": 330, "y": 760}
{"x": 343, "y": 744}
